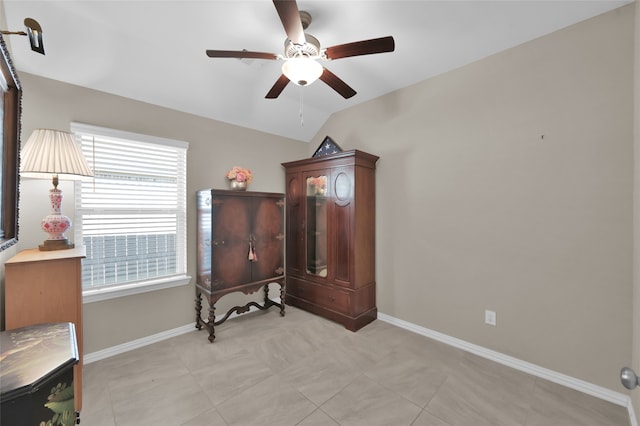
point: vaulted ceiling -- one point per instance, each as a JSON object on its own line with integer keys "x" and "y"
{"x": 154, "y": 50}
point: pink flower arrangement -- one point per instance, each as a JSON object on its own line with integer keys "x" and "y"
{"x": 240, "y": 174}
{"x": 318, "y": 182}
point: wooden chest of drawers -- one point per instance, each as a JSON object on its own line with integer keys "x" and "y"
{"x": 46, "y": 286}
{"x": 328, "y": 297}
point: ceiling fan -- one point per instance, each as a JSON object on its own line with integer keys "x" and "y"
{"x": 302, "y": 51}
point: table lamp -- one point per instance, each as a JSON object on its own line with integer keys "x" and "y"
{"x": 54, "y": 154}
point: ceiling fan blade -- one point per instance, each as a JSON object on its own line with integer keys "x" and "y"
{"x": 290, "y": 17}
{"x": 240, "y": 54}
{"x": 278, "y": 87}
{"x": 364, "y": 47}
{"x": 336, "y": 84}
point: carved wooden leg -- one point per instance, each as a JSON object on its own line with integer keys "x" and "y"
{"x": 281, "y": 300}
{"x": 212, "y": 320}
{"x": 198, "y": 310}
{"x": 266, "y": 295}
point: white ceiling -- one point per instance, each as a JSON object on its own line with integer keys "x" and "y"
{"x": 154, "y": 50}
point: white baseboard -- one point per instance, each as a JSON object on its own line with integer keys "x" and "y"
{"x": 535, "y": 370}
{"x": 632, "y": 414}
{"x": 138, "y": 343}
{"x": 144, "y": 341}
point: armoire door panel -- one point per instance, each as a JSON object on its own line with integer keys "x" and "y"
{"x": 267, "y": 237}
{"x": 230, "y": 246}
{"x": 316, "y": 236}
{"x": 317, "y": 232}
{"x": 343, "y": 244}
{"x": 203, "y": 264}
{"x": 343, "y": 187}
{"x": 295, "y": 225}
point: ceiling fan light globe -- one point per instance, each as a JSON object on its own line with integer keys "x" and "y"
{"x": 302, "y": 70}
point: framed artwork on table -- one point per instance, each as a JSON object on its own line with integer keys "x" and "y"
{"x": 327, "y": 147}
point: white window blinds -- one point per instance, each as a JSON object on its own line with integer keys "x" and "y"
{"x": 132, "y": 216}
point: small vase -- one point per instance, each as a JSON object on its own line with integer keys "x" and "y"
{"x": 234, "y": 185}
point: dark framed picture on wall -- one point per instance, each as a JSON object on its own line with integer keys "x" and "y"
{"x": 10, "y": 110}
{"x": 327, "y": 147}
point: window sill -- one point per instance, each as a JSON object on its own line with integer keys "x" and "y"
{"x": 106, "y": 293}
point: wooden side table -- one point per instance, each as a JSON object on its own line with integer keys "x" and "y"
{"x": 46, "y": 287}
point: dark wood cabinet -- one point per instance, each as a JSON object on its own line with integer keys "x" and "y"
{"x": 240, "y": 249}
{"x": 37, "y": 375}
{"x": 330, "y": 228}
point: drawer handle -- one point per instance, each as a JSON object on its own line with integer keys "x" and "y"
{"x": 216, "y": 242}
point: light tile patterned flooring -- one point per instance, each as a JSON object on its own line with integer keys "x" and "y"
{"x": 304, "y": 370}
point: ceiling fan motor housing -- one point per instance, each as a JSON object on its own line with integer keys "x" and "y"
{"x": 310, "y": 48}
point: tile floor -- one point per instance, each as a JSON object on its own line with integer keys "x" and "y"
{"x": 305, "y": 370}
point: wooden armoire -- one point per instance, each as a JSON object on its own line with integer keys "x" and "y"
{"x": 240, "y": 249}
{"x": 330, "y": 229}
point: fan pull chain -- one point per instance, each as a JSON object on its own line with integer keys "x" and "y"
{"x": 301, "y": 109}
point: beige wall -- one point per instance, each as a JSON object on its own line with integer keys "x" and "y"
{"x": 507, "y": 185}
{"x": 214, "y": 148}
{"x": 475, "y": 209}
{"x": 636, "y": 215}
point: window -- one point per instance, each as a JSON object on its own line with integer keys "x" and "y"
{"x": 131, "y": 216}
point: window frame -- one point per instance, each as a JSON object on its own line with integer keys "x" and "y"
{"x": 152, "y": 284}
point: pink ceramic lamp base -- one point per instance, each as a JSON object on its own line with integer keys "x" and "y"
{"x": 55, "y": 224}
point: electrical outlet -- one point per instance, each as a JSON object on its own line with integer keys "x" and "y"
{"x": 490, "y": 317}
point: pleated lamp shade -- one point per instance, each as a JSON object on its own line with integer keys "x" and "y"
{"x": 53, "y": 152}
